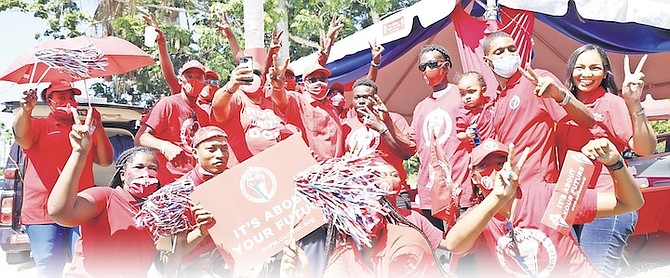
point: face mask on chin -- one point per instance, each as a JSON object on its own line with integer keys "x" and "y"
{"x": 192, "y": 87}
{"x": 142, "y": 182}
{"x": 253, "y": 87}
{"x": 318, "y": 90}
{"x": 507, "y": 65}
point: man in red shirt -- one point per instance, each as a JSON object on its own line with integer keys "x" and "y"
{"x": 310, "y": 111}
{"x": 508, "y": 221}
{"x": 171, "y": 123}
{"x": 375, "y": 128}
{"x": 47, "y": 147}
{"x": 436, "y": 116}
{"x": 527, "y": 108}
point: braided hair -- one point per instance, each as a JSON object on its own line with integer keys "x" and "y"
{"x": 124, "y": 158}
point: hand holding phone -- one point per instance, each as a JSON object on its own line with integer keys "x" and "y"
{"x": 248, "y": 62}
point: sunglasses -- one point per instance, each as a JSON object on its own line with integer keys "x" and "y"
{"x": 433, "y": 64}
{"x": 317, "y": 79}
{"x": 213, "y": 82}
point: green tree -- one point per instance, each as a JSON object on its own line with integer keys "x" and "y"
{"x": 200, "y": 40}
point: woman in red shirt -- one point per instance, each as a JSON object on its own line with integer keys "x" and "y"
{"x": 110, "y": 244}
{"x": 619, "y": 118}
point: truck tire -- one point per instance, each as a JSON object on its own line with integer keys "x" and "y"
{"x": 17, "y": 258}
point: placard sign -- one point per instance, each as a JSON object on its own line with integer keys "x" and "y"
{"x": 575, "y": 176}
{"x": 255, "y": 205}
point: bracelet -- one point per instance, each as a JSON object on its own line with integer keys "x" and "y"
{"x": 566, "y": 99}
{"x": 372, "y": 63}
{"x": 639, "y": 113}
{"x": 616, "y": 166}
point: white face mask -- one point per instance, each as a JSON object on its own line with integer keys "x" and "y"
{"x": 507, "y": 65}
{"x": 253, "y": 87}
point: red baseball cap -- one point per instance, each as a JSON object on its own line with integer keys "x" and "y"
{"x": 290, "y": 69}
{"x": 60, "y": 86}
{"x": 208, "y": 132}
{"x": 486, "y": 148}
{"x": 193, "y": 64}
{"x": 337, "y": 86}
{"x": 312, "y": 68}
{"x": 209, "y": 72}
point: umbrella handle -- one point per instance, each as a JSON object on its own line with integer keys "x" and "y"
{"x": 32, "y": 74}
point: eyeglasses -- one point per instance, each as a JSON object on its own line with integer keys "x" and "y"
{"x": 433, "y": 64}
{"x": 213, "y": 82}
{"x": 317, "y": 79}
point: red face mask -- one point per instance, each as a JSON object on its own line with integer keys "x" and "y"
{"x": 192, "y": 87}
{"x": 143, "y": 182}
{"x": 62, "y": 111}
{"x": 433, "y": 77}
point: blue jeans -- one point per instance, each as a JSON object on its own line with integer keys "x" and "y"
{"x": 604, "y": 240}
{"x": 52, "y": 245}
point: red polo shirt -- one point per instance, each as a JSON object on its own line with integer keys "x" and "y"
{"x": 612, "y": 122}
{"x": 319, "y": 123}
{"x": 175, "y": 120}
{"x": 252, "y": 127}
{"x": 400, "y": 252}
{"x": 527, "y": 120}
{"x": 544, "y": 251}
{"x": 110, "y": 244}
{"x": 45, "y": 160}
{"x": 439, "y": 115}
{"x": 356, "y": 133}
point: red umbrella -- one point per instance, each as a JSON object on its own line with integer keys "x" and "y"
{"x": 122, "y": 57}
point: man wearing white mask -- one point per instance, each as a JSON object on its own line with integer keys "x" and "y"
{"x": 527, "y": 104}
{"x": 310, "y": 111}
{"x": 242, "y": 109}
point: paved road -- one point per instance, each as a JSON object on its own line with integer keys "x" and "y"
{"x": 17, "y": 270}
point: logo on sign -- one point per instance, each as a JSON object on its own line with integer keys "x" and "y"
{"x": 258, "y": 185}
{"x": 530, "y": 254}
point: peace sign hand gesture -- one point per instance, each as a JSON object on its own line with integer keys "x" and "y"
{"x": 545, "y": 86}
{"x": 631, "y": 91}
{"x": 276, "y": 43}
{"x": 80, "y": 135}
{"x": 376, "y": 50}
{"x": 276, "y": 73}
{"x": 151, "y": 21}
{"x": 507, "y": 179}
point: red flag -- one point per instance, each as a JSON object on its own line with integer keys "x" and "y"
{"x": 443, "y": 192}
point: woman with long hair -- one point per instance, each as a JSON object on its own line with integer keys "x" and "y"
{"x": 619, "y": 118}
{"x": 110, "y": 244}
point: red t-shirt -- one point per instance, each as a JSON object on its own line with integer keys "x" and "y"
{"x": 400, "y": 252}
{"x": 319, "y": 123}
{"x": 481, "y": 116}
{"x": 45, "y": 160}
{"x": 545, "y": 252}
{"x": 252, "y": 127}
{"x": 356, "y": 133}
{"x": 175, "y": 120}
{"x": 110, "y": 244}
{"x": 433, "y": 234}
{"x": 439, "y": 115}
{"x": 527, "y": 120}
{"x": 612, "y": 122}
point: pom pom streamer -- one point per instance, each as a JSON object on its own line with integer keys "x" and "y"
{"x": 348, "y": 192}
{"x": 78, "y": 62}
{"x": 164, "y": 211}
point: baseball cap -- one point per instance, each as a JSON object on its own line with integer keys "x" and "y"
{"x": 290, "y": 69}
{"x": 206, "y": 133}
{"x": 312, "y": 68}
{"x": 60, "y": 86}
{"x": 486, "y": 148}
{"x": 192, "y": 64}
{"x": 337, "y": 86}
{"x": 209, "y": 72}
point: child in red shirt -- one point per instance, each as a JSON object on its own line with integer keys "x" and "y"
{"x": 473, "y": 121}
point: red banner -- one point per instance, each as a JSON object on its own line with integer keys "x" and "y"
{"x": 576, "y": 174}
{"x": 255, "y": 205}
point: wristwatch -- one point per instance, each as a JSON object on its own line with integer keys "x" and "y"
{"x": 616, "y": 166}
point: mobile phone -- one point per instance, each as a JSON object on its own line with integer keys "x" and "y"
{"x": 247, "y": 61}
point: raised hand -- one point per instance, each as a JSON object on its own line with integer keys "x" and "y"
{"x": 80, "y": 135}
{"x": 376, "y": 50}
{"x": 602, "y": 150}
{"x": 275, "y": 43}
{"x": 507, "y": 179}
{"x": 545, "y": 86}
{"x": 240, "y": 76}
{"x": 276, "y": 73}
{"x": 28, "y": 99}
{"x": 223, "y": 24}
{"x": 294, "y": 261}
{"x": 203, "y": 219}
{"x": 631, "y": 90}
{"x": 334, "y": 27}
{"x": 151, "y": 21}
